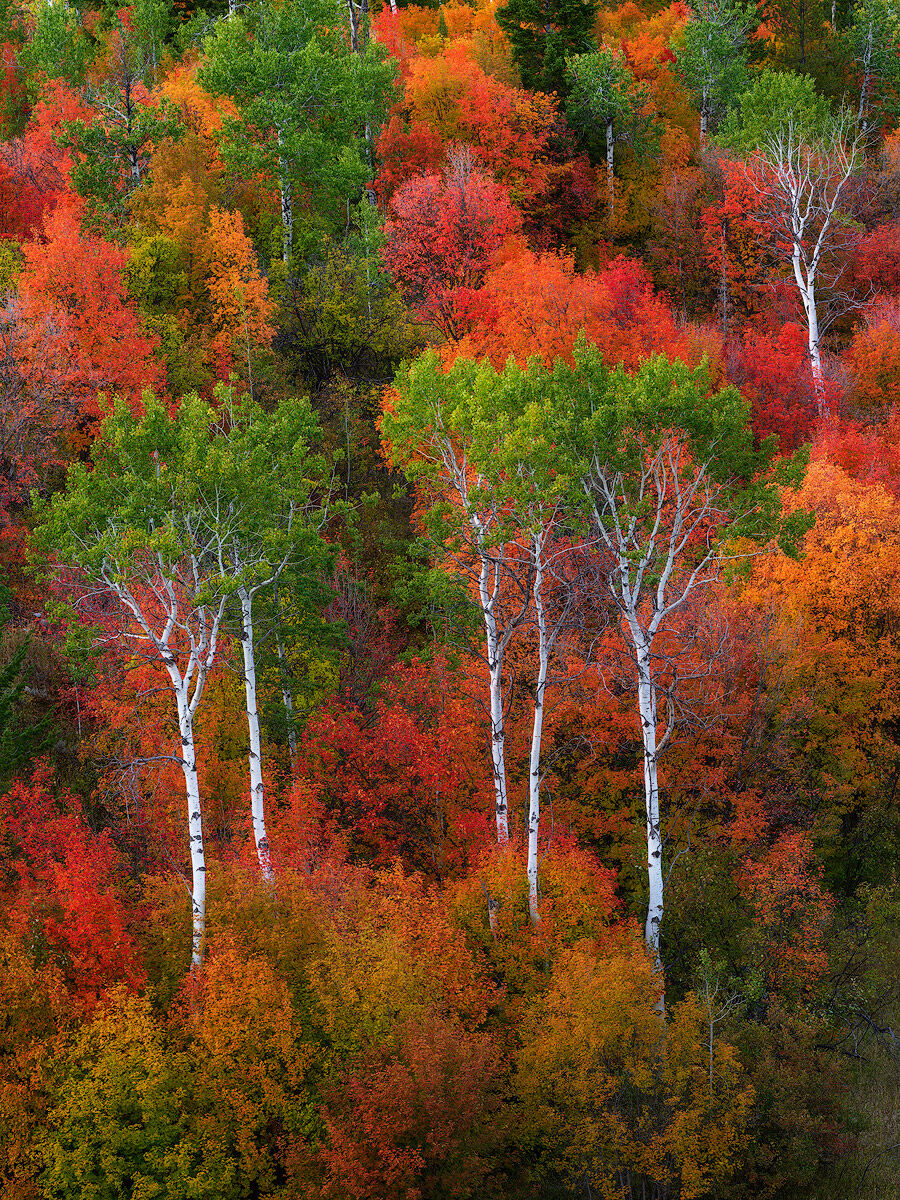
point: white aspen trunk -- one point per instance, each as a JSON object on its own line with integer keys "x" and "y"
{"x": 498, "y": 724}
{"x": 498, "y": 734}
{"x": 202, "y": 630}
{"x": 704, "y": 117}
{"x": 610, "y": 176}
{"x": 394, "y": 8}
{"x": 866, "y": 79}
{"x": 647, "y": 713}
{"x": 287, "y": 219}
{"x": 806, "y": 285}
{"x": 815, "y": 355}
{"x": 286, "y": 694}
{"x": 534, "y": 767}
{"x": 287, "y": 205}
{"x": 287, "y": 699}
{"x": 195, "y": 817}
{"x": 257, "y": 787}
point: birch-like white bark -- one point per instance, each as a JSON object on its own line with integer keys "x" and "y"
{"x": 806, "y": 286}
{"x": 489, "y": 572}
{"x": 646, "y": 560}
{"x": 489, "y": 579}
{"x": 287, "y": 204}
{"x": 257, "y": 786}
{"x": 537, "y": 728}
{"x": 200, "y": 629}
{"x": 195, "y": 817}
{"x": 495, "y": 656}
{"x": 801, "y": 185}
{"x": 647, "y": 714}
{"x": 610, "y": 173}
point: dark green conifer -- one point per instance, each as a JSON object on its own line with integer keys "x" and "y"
{"x": 20, "y": 740}
{"x": 542, "y": 34}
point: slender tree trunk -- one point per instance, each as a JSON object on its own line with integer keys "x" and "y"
{"x": 806, "y": 285}
{"x": 498, "y": 722}
{"x": 287, "y": 204}
{"x": 647, "y": 713}
{"x": 704, "y": 117}
{"x": 866, "y": 78}
{"x": 815, "y": 354}
{"x": 359, "y": 25}
{"x": 286, "y": 694}
{"x": 257, "y": 787}
{"x": 610, "y": 177}
{"x": 534, "y": 768}
{"x": 195, "y": 819}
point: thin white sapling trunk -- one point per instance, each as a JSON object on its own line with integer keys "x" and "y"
{"x": 801, "y": 181}
{"x": 257, "y": 787}
{"x": 186, "y": 644}
{"x": 537, "y": 730}
{"x": 495, "y": 649}
{"x": 645, "y": 539}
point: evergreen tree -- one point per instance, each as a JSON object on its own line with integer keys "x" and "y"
{"x": 543, "y": 33}
{"x": 19, "y": 741}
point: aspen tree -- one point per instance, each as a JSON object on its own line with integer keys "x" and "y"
{"x": 668, "y": 473}
{"x": 305, "y": 101}
{"x": 608, "y": 105}
{"x": 482, "y": 444}
{"x": 429, "y": 432}
{"x": 258, "y": 506}
{"x": 798, "y": 165}
{"x": 712, "y": 59}
{"x": 131, "y": 524}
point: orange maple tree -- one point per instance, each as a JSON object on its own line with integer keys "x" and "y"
{"x": 537, "y": 304}
{"x": 76, "y": 280}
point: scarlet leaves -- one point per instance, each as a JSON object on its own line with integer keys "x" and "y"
{"x": 791, "y": 911}
{"x": 64, "y": 890}
{"x": 537, "y": 304}
{"x": 518, "y": 136}
{"x": 773, "y": 374}
{"x": 75, "y": 281}
{"x": 35, "y": 172}
{"x": 416, "y": 1119}
{"x": 39, "y": 402}
{"x": 404, "y": 776}
{"x": 443, "y": 234}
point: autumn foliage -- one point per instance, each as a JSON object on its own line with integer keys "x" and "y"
{"x": 406, "y": 1003}
{"x": 443, "y": 234}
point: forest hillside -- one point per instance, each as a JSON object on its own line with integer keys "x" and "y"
{"x": 449, "y": 600}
